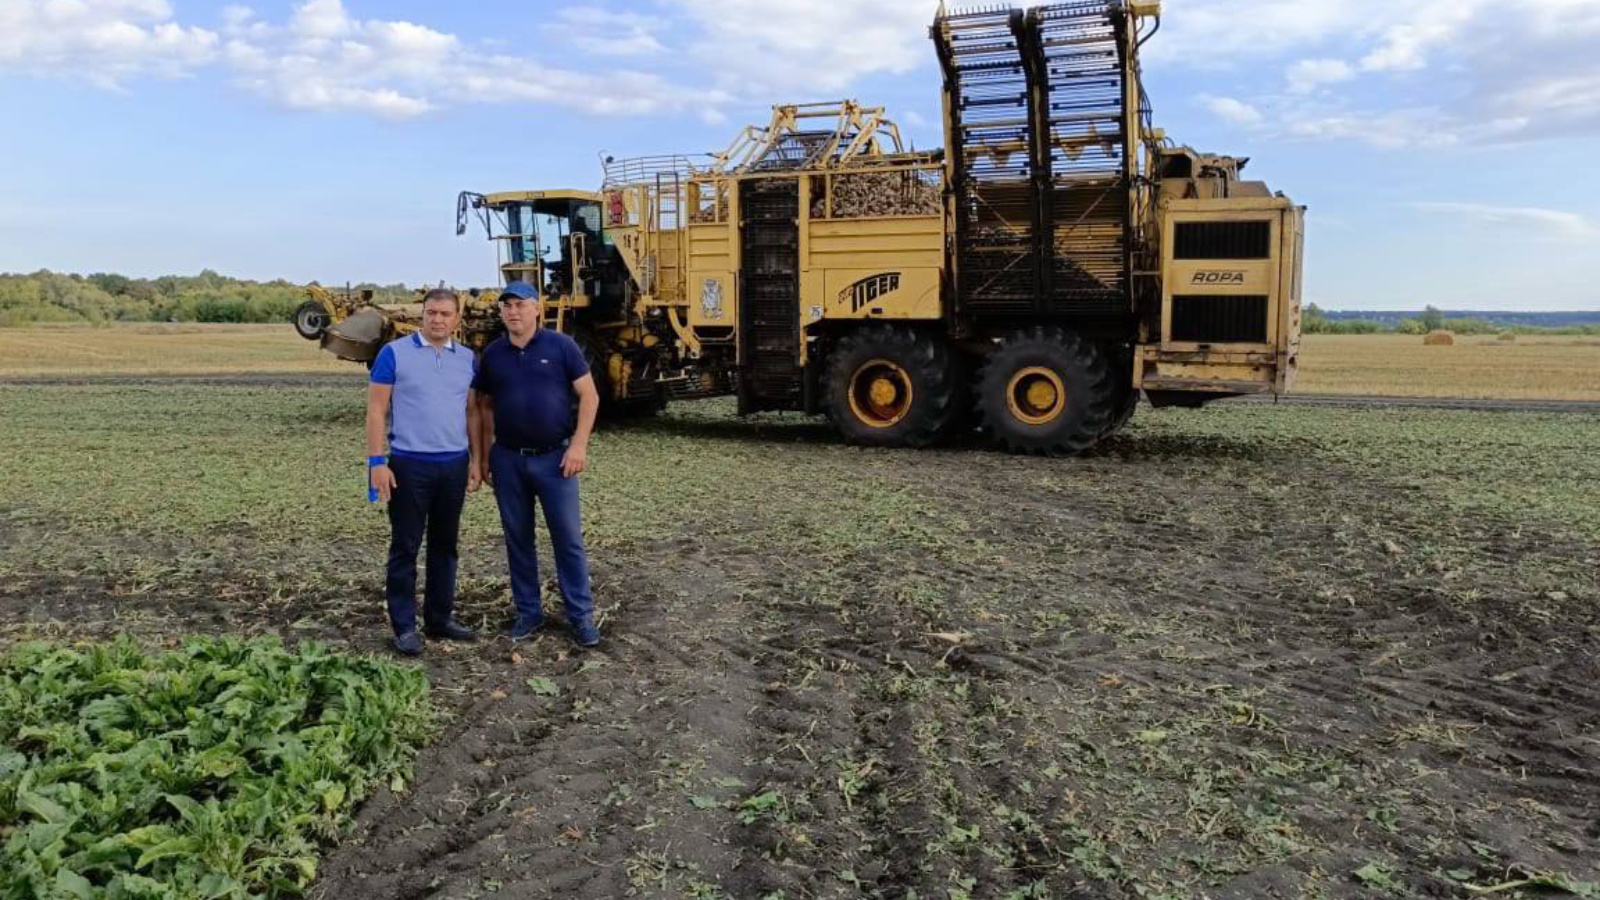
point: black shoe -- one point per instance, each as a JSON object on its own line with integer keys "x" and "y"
{"x": 408, "y": 644}
{"x": 525, "y": 627}
{"x": 452, "y": 630}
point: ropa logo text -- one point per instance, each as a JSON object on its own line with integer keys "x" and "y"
{"x": 1217, "y": 277}
{"x": 869, "y": 289}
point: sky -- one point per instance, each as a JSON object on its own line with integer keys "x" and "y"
{"x": 1442, "y": 147}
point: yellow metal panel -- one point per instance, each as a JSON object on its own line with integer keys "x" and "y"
{"x": 1206, "y": 355}
{"x": 1288, "y": 313}
{"x": 877, "y": 225}
{"x": 669, "y": 277}
{"x": 1213, "y": 372}
{"x": 711, "y": 280}
{"x": 1222, "y": 276}
{"x": 710, "y": 247}
{"x": 1227, "y": 208}
{"x": 1234, "y": 367}
{"x": 896, "y": 293}
{"x": 711, "y": 299}
{"x": 530, "y": 196}
{"x": 897, "y": 242}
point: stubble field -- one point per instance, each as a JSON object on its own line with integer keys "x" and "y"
{"x": 1246, "y": 651}
{"x": 1545, "y": 367}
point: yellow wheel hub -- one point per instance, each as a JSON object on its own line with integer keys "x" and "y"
{"x": 880, "y": 393}
{"x": 1036, "y": 395}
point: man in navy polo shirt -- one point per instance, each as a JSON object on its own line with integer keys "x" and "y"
{"x": 422, "y": 384}
{"x": 539, "y": 402}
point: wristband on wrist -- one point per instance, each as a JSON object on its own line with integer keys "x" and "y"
{"x": 377, "y": 461}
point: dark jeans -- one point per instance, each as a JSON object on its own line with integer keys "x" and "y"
{"x": 520, "y": 484}
{"x": 428, "y": 497}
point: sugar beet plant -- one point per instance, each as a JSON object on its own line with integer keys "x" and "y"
{"x": 214, "y": 770}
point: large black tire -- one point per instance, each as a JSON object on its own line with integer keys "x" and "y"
{"x": 1045, "y": 390}
{"x": 891, "y": 386}
{"x": 1125, "y": 397}
{"x": 1122, "y": 412}
{"x": 311, "y": 320}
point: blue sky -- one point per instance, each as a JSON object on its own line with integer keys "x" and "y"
{"x": 1441, "y": 145}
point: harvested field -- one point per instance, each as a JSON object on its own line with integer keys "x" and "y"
{"x": 159, "y": 348}
{"x": 1482, "y": 367}
{"x": 1246, "y": 651}
{"x": 1544, "y": 367}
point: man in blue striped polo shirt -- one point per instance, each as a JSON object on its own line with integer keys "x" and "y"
{"x": 422, "y": 389}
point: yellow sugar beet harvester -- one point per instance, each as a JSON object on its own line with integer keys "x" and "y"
{"x": 1057, "y": 258}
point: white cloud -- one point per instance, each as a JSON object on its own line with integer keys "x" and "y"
{"x": 1236, "y": 111}
{"x": 1307, "y": 75}
{"x": 1564, "y": 95}
{"x": 1407, "y": 45}
{"x": 236, "y": 18}
{"x": 1391, "y": 129}
{"x": 603, "y": 33}
{"x": 1520, "y": 219}
{"x": 782, "y": 50}
{"x": 321, "y": 20}
{"x": 1234, "y": 33}
{"x": 1484, "y": 70}
{"x": 789, "y": 50}
{"x": 105, "y": 42}
{"x": 325, "y": 59}
{"x": 1422, "y": 73}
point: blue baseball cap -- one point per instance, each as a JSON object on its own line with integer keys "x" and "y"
{"x": 521, "y": 290}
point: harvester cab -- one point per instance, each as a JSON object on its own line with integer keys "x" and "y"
{"x": 554, "y": 240}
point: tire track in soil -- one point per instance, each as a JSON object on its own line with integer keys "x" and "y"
{"x": 1519, "y": 737}
{"x": 882, "y": 838}
{"x": 581, "y": 797}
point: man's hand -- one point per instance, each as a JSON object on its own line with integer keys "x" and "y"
{"x": 575, "y": 460}
{"x": 486, "y": 474}
{"x": 383, "y": 480}
{"x": 474, "y": 479}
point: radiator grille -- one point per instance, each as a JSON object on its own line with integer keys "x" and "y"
{"x": 1221, "y": 240}
{"x": 1220, "y": 318}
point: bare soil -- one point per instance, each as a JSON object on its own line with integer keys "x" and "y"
{"x": 1178, "y": 668}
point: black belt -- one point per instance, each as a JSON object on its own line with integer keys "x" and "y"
{"x": 538, "y": 451}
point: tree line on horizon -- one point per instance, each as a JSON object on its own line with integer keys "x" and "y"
{"x": 1313, "y": 320}
{"x": 101, "y": 298}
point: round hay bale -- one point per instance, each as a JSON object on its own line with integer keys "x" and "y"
{"x": 1506, "y": 337}
{"x": 1439, "y": 338}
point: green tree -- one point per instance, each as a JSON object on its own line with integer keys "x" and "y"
{"x": 1313, "y": 320}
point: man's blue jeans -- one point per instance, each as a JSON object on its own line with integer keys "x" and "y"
{"x": 427, "y": 499}
{"x": 520, "y": 484}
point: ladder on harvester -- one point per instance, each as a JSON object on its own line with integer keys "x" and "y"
{"x": 670, "y": 219}
{"x": 1041, "y": 157}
